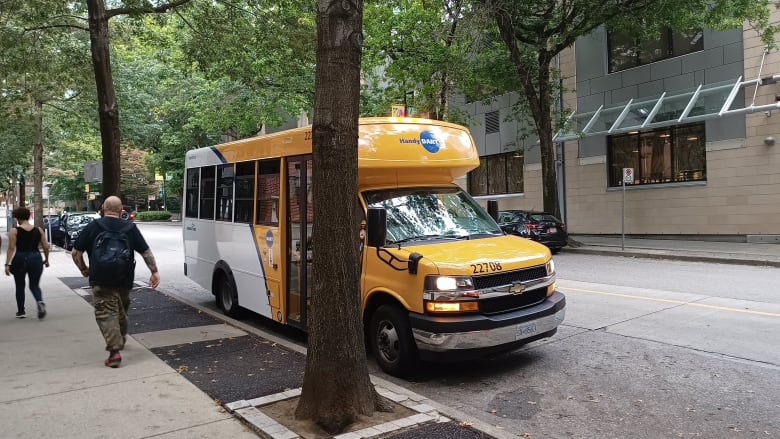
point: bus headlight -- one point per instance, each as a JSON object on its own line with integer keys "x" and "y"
{"x": 550, "y": 266}
{"x": 450, "y": 294}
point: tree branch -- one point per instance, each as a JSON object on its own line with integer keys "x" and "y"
{"x": 52, "y": 26}
{"x": 146, "y": 10}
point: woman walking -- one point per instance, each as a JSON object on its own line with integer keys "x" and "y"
{"x": 24, "y": 259}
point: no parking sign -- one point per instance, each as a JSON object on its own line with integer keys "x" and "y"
{"x": 628, "y": 175}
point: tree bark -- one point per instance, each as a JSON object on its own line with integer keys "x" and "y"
{"x": 108, "y": 110}
{"x": 536, "y": 89}
{"x": 336, "y": 385}
{"x": 38, "y": 164}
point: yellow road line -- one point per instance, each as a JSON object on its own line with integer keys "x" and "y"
{"x": 677, "y": 302}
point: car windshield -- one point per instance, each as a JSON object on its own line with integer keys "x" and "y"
{"x": 419, "y": 214}
{"x": 76, "y": 220}
{"x": 508, "y": 217}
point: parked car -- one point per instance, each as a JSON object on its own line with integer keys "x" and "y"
{"x": 538, "y": 226}
{"x": 127, "y": 213}
{"x": 57, "y": 233}
{"x": 73, "y": 223}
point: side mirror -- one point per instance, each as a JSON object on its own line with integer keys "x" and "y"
{"x": 414, "y": 262}
{"x": 376, "y": 227}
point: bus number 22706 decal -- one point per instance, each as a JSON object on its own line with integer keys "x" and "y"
{"x": 486, "y": 267}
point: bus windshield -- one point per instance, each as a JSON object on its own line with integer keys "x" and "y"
{"x": 429, "y": 214}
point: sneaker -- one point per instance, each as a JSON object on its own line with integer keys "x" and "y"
{"x": 21, "y": 315}
{"x": 41, "y": 310}
{"x": 113, "y": 360}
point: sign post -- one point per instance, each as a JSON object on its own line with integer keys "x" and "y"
{"x": 628, "y": 177}
{"x": 47, "y": 195}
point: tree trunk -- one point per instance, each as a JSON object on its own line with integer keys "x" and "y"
{"x": 544, "y": 128}
{"x": 536, "y": 89}
{"x": 108, "y": 111}
{"x": 336, "y": 385}
{"x": 38, "y": 164}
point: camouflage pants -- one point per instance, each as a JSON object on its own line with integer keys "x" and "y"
{"x": 111, "y": 306}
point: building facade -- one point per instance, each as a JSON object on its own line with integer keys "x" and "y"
{"x": 697, "y": 168}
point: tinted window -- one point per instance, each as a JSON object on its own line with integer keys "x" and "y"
{"x": 191, "y": 193}
{"x": 207, "y": 187}
{"x": 224, "y": 197}
{"x": 625, "y": 51}
{"x": 268, "y": 192}
{"x": 245, "y": 187}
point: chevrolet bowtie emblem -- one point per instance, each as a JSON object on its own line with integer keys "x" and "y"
{"x": 517, "y": 289}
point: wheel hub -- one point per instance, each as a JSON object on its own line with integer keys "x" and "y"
{"x": 387, "y": 341}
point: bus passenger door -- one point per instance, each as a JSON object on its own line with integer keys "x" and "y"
{"x": 299, "y": 225}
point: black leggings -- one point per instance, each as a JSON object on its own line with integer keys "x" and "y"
{"x": 27, "y": 264}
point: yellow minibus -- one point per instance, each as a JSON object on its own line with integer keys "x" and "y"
{"x": 440, "y": 281}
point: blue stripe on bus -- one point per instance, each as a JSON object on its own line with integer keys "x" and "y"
{"x": 218, "y": 154}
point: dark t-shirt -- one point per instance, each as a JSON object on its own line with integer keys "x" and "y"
{"x": 87, "y": 236}
{"x": 27, "y": 241}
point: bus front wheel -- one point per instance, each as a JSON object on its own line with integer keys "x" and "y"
{"x": 227, "y": 298}
{"x": 391, "y": 341}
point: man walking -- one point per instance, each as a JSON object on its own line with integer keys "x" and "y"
{"x": 110, "y": 242}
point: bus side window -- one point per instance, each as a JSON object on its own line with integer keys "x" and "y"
{"x": 207, "y": 188}
{"x": 225, "y": 177}
{"x": 268, "y": 192}
{"x": 193, "y": 184}
{"x": 245, "y": 187}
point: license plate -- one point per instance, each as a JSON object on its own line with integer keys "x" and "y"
{"x": 525, "y": 330}
{"x": 552, "y": 230}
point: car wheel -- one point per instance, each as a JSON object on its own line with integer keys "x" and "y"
{"x": 555, "y": 251}
{"x": 391, "y": 341}
{"x": 227, "y": 297}
{"x": 68, "y": 244}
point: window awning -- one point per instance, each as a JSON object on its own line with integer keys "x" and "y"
{"x": 691, "y": 105}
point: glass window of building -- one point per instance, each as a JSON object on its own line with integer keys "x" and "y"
{"x": 626, "y": 51}
{"x": 497, "y": 174}
{"x": 665, "y": 155}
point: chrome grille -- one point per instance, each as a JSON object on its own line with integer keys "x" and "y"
{"x": 509, "y": 277}
{"x": 510, "y": 302}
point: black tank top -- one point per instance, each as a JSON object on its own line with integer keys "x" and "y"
{"x": 27, "y": 241}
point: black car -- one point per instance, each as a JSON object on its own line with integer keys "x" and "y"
{"x": 538, "y": 226}
{"x": 73, "y": 223}
{"x": 52, "y": 225}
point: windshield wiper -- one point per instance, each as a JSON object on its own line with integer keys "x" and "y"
{"x": 426, "y": 238}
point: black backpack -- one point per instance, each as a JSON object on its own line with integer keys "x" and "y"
{"x": 112, "y": 261}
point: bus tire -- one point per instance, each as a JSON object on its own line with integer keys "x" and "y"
{"x": 391, "y": 341}
{"x": 227, "y": 297}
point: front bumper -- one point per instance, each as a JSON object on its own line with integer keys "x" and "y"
{"x": 444, "y": 334}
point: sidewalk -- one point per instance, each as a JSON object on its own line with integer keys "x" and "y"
{"x": 53, "y": 383}
{"x": 679, "y": 249}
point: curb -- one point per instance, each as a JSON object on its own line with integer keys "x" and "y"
{"x": 634, "y": 253}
